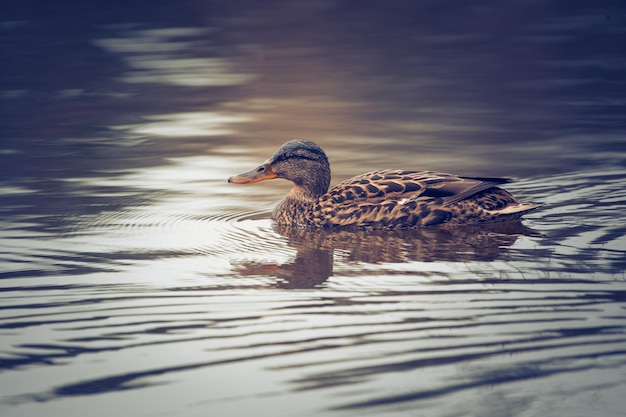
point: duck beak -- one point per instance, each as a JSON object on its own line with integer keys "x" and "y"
{"x": 264, "y": 172}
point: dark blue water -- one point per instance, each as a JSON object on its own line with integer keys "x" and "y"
{"x": 134, "y": 280}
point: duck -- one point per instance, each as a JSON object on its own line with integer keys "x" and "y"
{"x": 382, "y": 199}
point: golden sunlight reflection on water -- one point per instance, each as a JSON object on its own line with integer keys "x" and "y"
{"x": 200, "y": 124}
{"x": 160, "y": 56}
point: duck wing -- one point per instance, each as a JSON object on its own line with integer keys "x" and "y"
{"x": 460, "y": 188}
{"x": 396, "y": 184}
{"x": 396, "y": 198}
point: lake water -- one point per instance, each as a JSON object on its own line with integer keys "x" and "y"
{"x": 135, "y": 281}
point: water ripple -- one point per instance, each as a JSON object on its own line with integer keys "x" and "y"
{"x": 174, "y": 292}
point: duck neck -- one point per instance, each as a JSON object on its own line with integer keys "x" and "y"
{"x": 311, "y": 187}
{"x": 296, "y": 207}
{"x": 305, "y": 194}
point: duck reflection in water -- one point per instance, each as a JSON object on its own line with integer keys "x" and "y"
{"x": 316, "y": 249}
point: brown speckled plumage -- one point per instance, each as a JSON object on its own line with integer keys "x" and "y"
{"x": 379, "y": 199}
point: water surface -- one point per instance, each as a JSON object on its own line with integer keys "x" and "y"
{"x": 136, "y": 281}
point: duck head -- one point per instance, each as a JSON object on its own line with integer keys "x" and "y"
{"x": 300, "y": 161}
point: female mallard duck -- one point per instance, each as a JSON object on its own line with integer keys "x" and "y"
{"x": 379, "y": 199}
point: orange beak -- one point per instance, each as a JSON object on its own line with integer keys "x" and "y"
{"x": 264, "y": 172}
